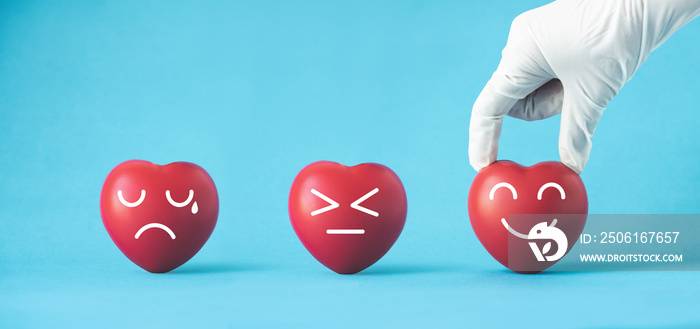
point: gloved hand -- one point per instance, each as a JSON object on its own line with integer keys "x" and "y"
{"x": 570, "y": 57}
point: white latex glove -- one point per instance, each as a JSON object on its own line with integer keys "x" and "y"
{"x": 570, "y": 57}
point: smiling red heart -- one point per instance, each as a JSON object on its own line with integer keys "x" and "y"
{"x": 552, "y": 197}
{"x": 347, "y": 217}
{"x": 159, "y": 216}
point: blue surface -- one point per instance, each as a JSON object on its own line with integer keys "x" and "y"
{"x": 253, "y": 91}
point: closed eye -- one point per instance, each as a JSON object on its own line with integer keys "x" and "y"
{"x": 492, "y": 194}
{"x": 179, "y": 204}
{"x": 332, "y": 203}
{"x": 548, "y": 185}
{"x": 131, "y": 204}
{"x": 356, "y": 204}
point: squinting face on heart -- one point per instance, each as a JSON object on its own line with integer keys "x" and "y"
{"x": 354, "y": 205}
{"x": 347, "y": 217}
{"x": 159, "y": 225}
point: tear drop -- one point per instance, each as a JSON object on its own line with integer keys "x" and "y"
{"x": 195, "y": 208}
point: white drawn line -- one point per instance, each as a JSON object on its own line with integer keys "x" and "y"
{"x": 345, "y": 231}
{"x": 131, "y": 204}
{"x": 513, "y": 231}
{"x": 518, "y": 234}
{"x": 503, "y": 184}
{"x": 155, "y": 225}
{"x": 356, "y": 204}
{"x": 179, "y": 204}
{"x": 554, "y": 222}
{"x": 551, "y": 184}
{"x": 332, "y": 205}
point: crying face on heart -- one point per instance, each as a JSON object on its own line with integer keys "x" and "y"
{"x": 157, "y": 225}
{"x": 159, "y": 216}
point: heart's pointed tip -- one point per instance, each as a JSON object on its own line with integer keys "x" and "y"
{"x": 526, "y": 272}
{"x": 158, "y": 270}
{"x": 347, "y": 270}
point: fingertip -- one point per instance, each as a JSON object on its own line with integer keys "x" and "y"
{"x": 575, "y": 168}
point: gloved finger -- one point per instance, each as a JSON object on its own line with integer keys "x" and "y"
{"x": 544, "y": 102}
{"x": 485, "y": 129}
{"x": 523, "y": 67}
{"x": 519, "y": 73}
{"x": 487, "y": 119}
{"x": 579, "y": 117}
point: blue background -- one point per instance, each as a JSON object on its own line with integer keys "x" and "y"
{"x": 253, "y": 91}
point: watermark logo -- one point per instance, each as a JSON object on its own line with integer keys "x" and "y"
{"x": 542, "y": 231}
{"x": 608, "y": 242}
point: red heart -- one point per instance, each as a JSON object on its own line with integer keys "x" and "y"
{"x": 159, "y": 216}
{"x": 546, "y": 191}
{"x": 347, "y": 217}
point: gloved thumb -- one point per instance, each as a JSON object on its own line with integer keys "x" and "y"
{"x": 579, "y": 118}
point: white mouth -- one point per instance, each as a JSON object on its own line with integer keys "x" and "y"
{"x": 345, "y": 231}
{"x": 155, "y": 225}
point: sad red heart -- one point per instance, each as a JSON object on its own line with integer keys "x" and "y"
{"x": 347, "y": 217}
{"x": 159, "y": 216}
{"x": 549, "y": 193}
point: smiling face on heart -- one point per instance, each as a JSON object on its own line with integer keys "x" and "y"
{"x": 551, "y": 193}
{"x": 347, "y": 217}
{"x": 159, "y": 216}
